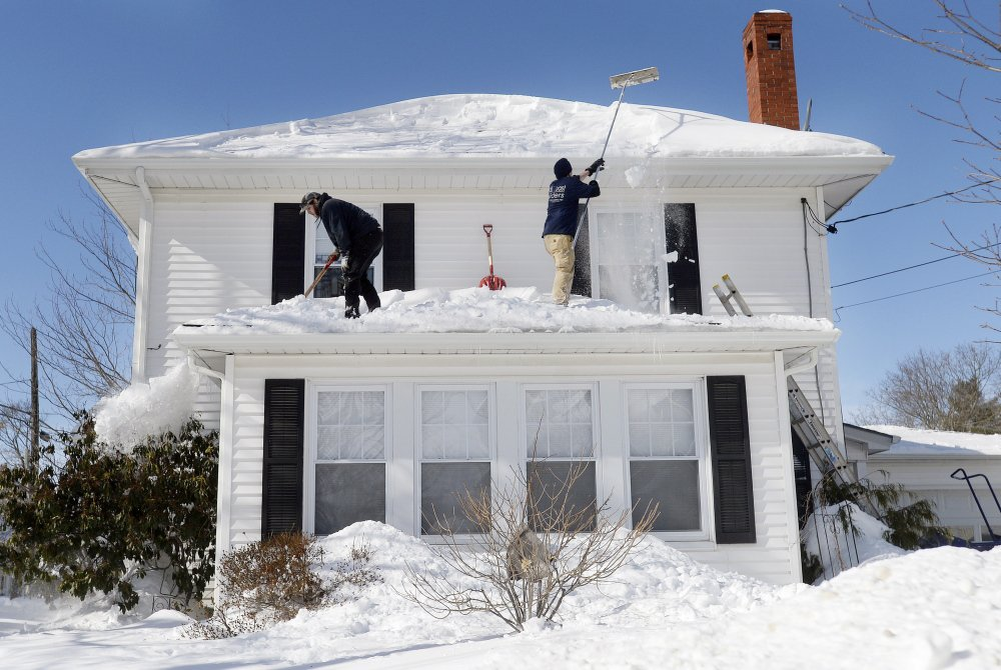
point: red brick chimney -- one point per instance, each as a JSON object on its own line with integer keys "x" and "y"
{"x": 771, "y": 71}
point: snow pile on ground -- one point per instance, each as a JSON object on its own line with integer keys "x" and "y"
{"x": 500, "y": 125}
{"x": 477, "y": 310}
{"x": 934, "y": 608}
{"x": 915, "y": 441}
{"x": 165, "y": 403}
{"x": 825, "y": 536}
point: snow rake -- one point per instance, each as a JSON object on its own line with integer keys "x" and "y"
{"x": 623, "y": 81}
{"x": 491, "y": 281}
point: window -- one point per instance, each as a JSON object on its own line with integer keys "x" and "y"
{"x": 629, "y": 266}
{"x": 560, "y": 450}
{"x": 319, "y": 249}
{"x": 774, "y": 41}
{"x": 666, "y": 456}
{"x": 350, "y": 458}
{"x": 455, "y": 447}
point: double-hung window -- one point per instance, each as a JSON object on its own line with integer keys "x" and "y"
{"x": 560, "y": 452}
{"x": 667, "y": 456}
{"x": 456, "y": 444}
{"x": 627, "y": 264}
{"x": 349, "y": 482}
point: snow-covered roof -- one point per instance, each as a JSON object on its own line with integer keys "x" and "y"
{"x": 498, "y": 125}
{"x": 516, "y": 319}
{"x": 919, "y": 442}
{"x": 483, "y": 141}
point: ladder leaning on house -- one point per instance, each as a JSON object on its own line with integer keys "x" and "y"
{"x": 823, "y": 450}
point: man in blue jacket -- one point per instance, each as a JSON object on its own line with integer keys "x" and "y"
{"x": 358, "y": 240}
{"x": 561, "y": 220}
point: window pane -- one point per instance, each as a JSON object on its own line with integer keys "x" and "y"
{"x": 455, "y": 424}
{"x": 661, "y": 422}
{"x": 556, "y": 502}
{"x": 350, "y": 425}
{"x": 674, "y": 485}
{"x": 349, "y": 492}
{"x": 561, "y": 419}
{"x": 443, "y": 486}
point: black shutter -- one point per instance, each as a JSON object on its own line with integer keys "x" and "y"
{"x": 288, "y": 252}
{"x": 730, "y": 444}
{"x": 683, "y": 275}
{"x": 398, "y": 246}
{"x": 582, "y": 261}
{"x": 281, "y": 504}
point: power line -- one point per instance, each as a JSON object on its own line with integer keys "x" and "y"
{"x": 917, "y": 290}
{"x": 911, "y": 267}
{"x": 919, "y": 202}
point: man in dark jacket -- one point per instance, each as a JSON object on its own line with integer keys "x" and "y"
{"x": 561, "y": 221}
{"x": 358, "y": 240}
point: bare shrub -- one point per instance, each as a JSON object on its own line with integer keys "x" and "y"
{"x": 537, "y": 541}
{"x": 267, "y": 582}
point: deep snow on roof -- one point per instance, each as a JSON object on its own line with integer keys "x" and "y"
{"x": 475, "y": 310}
{"x": 923, "y": 442}
{"x": 487, "y": 125}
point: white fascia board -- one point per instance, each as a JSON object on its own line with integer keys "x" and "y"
{"x": 738, "y": 341}
{"x": 196, "y": 165}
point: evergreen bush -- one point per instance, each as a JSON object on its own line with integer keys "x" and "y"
{"x": 104, "y": 516}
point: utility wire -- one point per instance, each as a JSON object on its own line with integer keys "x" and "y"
{"x": 917, "y": 290}
{"x": 911, "y": 267}
{"x": 919, "y": 202}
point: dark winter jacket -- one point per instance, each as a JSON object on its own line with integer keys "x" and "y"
{"x": 345, "y": 223}
{"x": 564, "y": 200}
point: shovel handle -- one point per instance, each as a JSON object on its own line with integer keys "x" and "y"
{"x": 488, "y": 228}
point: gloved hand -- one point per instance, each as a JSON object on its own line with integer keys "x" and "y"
{"x": 344, "y": 262}
{"x": 595, "y": 166}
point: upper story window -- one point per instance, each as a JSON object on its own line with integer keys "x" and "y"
{"x": 626, "y": 265}
{"x": 318, "y": 249}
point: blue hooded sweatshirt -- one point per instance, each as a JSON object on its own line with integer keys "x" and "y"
{"x": 564, "y": 200}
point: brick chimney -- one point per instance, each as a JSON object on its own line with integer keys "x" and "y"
{"x": 771, "y": 71}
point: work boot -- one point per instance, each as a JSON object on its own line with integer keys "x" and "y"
{"x": 352, "y": 313}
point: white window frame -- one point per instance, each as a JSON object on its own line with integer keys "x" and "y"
{"x": 310, "y": 460}
{"x": 419, "y": 447}
{"x": 313, "y": 229}
{"x": 526, "y": 432}
{"x": 700, "y": 412}
{"x": 660, "y": 242}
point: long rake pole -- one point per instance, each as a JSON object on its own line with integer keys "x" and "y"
{"x": 623, "y": 81}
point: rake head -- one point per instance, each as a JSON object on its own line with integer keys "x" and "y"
{"x": 632, "y": 78}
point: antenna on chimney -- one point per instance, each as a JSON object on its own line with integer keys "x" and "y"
{"x": 809, "y": 109}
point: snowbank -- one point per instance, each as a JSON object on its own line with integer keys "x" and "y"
{"x": 927, "y": 609}
{"x": 476, "y": 310}
{"x": 165, "y": 403}
{"x": 825, "y": 537}
{"x": 500, "y": 125}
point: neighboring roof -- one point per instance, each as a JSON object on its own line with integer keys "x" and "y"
{"x": 922, "y": 443}
{"x": 875, "y": 441}
{"x": 485, "y": 141}
{"x": 477, "y": 320}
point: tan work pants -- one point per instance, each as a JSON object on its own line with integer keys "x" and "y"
{"x": 560, "y": 247}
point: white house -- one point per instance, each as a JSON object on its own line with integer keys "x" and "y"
{"x": 959, "y": 472}
{"x": 327, "y": 422}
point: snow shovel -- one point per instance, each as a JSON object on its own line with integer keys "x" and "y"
{"x": 622, "y": 81}
{"x": 330, "y": 261}
{"x": 491, "y": 281}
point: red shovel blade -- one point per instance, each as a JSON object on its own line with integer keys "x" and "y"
{"x": 493, "y": 282}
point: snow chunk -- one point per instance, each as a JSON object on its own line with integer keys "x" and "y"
{"x": 165, "y": 403}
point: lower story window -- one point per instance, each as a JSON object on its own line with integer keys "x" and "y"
{"x": 560, "y": 470}
{"x": 350, "y": 465}
{"x": 665, "y": 460}
{"x": 455, "y": 447}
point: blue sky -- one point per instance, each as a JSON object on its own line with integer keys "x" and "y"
{"x": 79, "y": 75}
